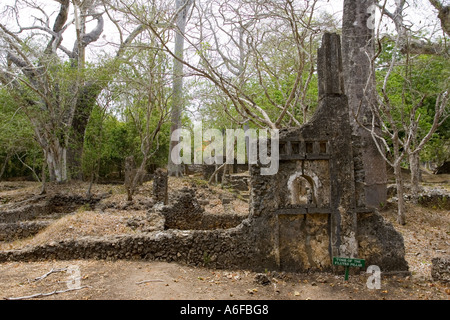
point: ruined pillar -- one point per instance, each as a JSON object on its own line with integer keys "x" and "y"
{"x": 332, "y": 99}
{"x": 160, "y": 186}
{"x": 329, "y": 66}
{"x": 130, "y": 173}
{"x": 359, "y": 76}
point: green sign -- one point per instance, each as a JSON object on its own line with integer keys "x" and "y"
{"x": 347, "y": 263}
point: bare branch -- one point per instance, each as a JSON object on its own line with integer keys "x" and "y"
{"x": 49, "y": 273}
{"x": 58, "y": 27}
{"x": 443, "y": 15}
{"x": 38, "y": 295}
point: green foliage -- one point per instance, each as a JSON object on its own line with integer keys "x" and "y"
{"x": 109, "y": 141}
{"x": 416, "y": 78}
{"x": 16, "y": 140}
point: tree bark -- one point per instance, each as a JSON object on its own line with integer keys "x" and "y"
{"x": 57, "y": 161}
{"x": 414, "y": 164}
{"x": 443, "y": 15}
{"x": 177, "y": 96}
{"x": 44, "y": 176}
{"x": 5, "y": 163}
{"x": 83, "y": 108}
{"x": 359, "y": 75}
{"x": 401, "y": 217}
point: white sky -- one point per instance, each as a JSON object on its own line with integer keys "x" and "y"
{"x": 421, "y": 15}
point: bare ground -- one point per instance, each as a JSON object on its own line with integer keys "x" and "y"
{"x": 427, "y": 235}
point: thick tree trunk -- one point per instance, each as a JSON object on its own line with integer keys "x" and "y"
{"x": 85, "y": 103}
{"x": 359, "y": 76}
{"x": 177, "y": 96}
{"x": 57, "y": 163}
{"x": 444, "y": 14}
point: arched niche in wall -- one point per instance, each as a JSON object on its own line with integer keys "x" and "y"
{"x": 302, "y": 189}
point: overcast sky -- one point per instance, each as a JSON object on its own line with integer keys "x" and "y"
{"x": 420, "y": 16}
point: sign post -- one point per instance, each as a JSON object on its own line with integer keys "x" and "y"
{"x": 348, "y": 263}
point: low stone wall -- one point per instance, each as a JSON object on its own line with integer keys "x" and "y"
{"x": 57, "y": 204}
{"x": 187, "y": 214}
{"x": 213, "y": 248}
{"x": 24, "y": 213}
{"x": 20, "y": 230}
{"x": 239, "y": 182}
{"x": 201, "y": 221}
{"x": 435, "y": 200}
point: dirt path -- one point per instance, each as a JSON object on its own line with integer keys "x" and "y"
{"x": 119, "y": 280}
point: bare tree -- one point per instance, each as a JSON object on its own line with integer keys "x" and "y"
{"x": 250, "y": 34}
{"x": 443, "y": 14}
{"x": 408, "y": 40}
{"x": 398, "y": 137}
{"x": 403, "y": 137}
{"x": 57, "y": 98}
{"x": 182, "y": 10}
{"x": 144, "y": 91}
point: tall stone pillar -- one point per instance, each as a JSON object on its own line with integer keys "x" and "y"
{"x": 359, "y": 76}
{"x": 333, "y": 100}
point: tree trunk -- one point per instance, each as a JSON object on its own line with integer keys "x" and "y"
{"x": 85, "y": 103}
{"x": 224, "y": 175}
{"x": 44, "y": 176}
{"x": 359, "y": 76}
{"x": 57, "y": 163}
{"x": 2, "y": 171}
{"x": 177, "y": 96}
{"x": 216, "y": 171}
{"x": 416, "y": 178}
{"x": 401, "y": 218}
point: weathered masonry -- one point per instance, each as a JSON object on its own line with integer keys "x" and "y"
{"x": 314, "y": 208}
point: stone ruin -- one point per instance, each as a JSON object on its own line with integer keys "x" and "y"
{"x": 160, "y": 186}
{"x": 311, "y": 211}
{"x": 314, "y": 208}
